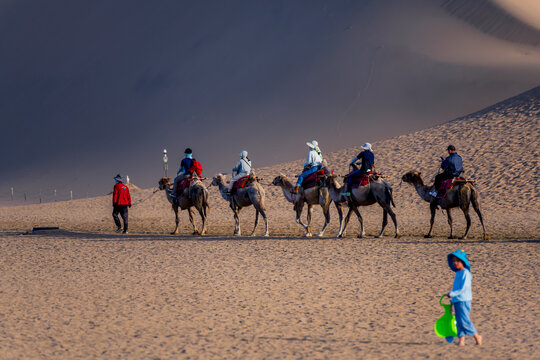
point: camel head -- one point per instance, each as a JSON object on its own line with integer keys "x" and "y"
{"x": 412, "y": 177}
{"x": 279, "y": 180}
{"x": 164, "y": 183}
{"x": 216, "y": 180}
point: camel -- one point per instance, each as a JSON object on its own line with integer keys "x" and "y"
{"x": 196, "y": 195}
{"x": 462, "y": 194}
{"x": 376, "y": 191}
{"x": 311, "y": 196}
{"x": 251, "y": 194}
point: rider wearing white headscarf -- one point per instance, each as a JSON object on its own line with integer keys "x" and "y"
{"x": 242, "y": 168}
{"x": 312, "y": 164}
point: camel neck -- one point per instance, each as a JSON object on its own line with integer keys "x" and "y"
{"x": 222, "y": 189}
{"x": 334, "y": 188}
{"x": 423, "y": 190}
{"x": 286, "y": 187}
{"x": 168, "y": 192}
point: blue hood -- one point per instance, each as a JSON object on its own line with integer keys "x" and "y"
{"x": 460, "y": 254}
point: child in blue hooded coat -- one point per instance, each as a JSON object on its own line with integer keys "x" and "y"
{"x": 461, "y": 296}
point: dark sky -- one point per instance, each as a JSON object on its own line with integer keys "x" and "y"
{"x": 92, "y": 88}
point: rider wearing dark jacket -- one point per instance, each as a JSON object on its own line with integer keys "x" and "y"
{"x": 367, "y": 165}
{"x": 184, "y": 170}
{"x": 452, "y": 167}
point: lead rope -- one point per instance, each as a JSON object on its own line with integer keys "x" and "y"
{"x": 147, "y": 198}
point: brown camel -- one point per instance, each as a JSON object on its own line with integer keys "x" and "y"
{"x": 463, "y": 194}
{"x": 251, "y": 194}
{"x": 196, "y": 195}
{"x": 376, "y": 191}
{"x": 311, "y": 196}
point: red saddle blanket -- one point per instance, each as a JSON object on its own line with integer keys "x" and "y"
{"x": 314, "y": 179}
{"x": 446, "y": 186}
{"x": 361, "y": 180}
{"x": 239, "y": 184}
{"x": 182, "y": 185}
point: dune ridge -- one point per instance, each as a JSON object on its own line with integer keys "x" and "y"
{"x": 492, "y": 19}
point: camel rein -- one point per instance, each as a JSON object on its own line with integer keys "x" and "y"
{"x": 148, "y": 197}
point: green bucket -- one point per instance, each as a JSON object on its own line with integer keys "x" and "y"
{"x": 445, "y": 326}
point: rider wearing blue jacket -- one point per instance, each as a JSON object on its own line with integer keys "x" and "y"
{"x": 452, "y": 167}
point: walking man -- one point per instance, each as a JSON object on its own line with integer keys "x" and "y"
{"x": 121, "y": 202}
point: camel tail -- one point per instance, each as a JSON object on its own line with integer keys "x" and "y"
{"x": 206, "y": 205}
{"x": 474, "y": 198}
{"x": 389, "y": 194}
{"x": 465, "y": 196}
{"x": 201, "y": 200}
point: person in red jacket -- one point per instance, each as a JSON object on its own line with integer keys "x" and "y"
{"x": 121, "y": 202}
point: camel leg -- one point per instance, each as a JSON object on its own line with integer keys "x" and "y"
{"x": 339, "y": 208}
{"x": 384, "y": 222}
{"x": 260, "y": 209}
{"x": 256, "y": 222}
{"x": 299, "y": 207}
{"x": 386, "y": 204}
{"x": 308, "y": 220}
{"x": 190, "y": 213}
{"x": 394, "y": 219}
{"x": 468, "y": 219}
{"x": 449, "y": 214}
{"x": 345, "y": 222}
{"x": 433, "y": 208}
{"x": 476, "y": 207}
{"x": 236, "y": 212}
{"x": 263, "y": 214}
{"x": 175, "y": 231}
{"x": 202, "y": 213}
{"x": 326, "y": 212}
{"x": 361, "y": 221}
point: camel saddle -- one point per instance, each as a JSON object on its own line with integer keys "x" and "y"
{"x": 447, "y": 185}
{"x": 315, "y": 178}
{"x": 363, "y": 179}
{"x": 182, "y": 185}
{"x": 241, "y": 183}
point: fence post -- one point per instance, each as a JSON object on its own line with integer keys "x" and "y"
{"x": 54, "y": 195}
{"x": 165, "y": 162}
{"x": 11, "y": 194}
{"x": 71, "y": 194}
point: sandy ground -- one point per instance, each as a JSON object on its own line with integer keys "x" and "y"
{"x": 69, "y": 295}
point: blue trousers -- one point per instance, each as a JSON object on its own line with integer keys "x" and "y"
{"x": 306, "y": 174}
{"x": 462, "y": 311}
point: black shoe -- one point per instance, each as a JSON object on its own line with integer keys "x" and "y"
{"x": 118, "y": 229}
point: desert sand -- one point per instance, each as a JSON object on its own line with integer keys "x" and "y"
{"x": 86, "y": 292}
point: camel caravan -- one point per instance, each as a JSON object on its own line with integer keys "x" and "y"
{"x": 318, "y": 185}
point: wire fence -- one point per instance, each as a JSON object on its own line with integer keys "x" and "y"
{"x": 15, "y": 196}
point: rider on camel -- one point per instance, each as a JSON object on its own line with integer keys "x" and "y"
{"x": 367, "y": 166}
{"x": 313, "y": 163}
{"x": 242, "y": 168}
{"x": 184, "y": 171}
{"x": 452, "y": 167}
